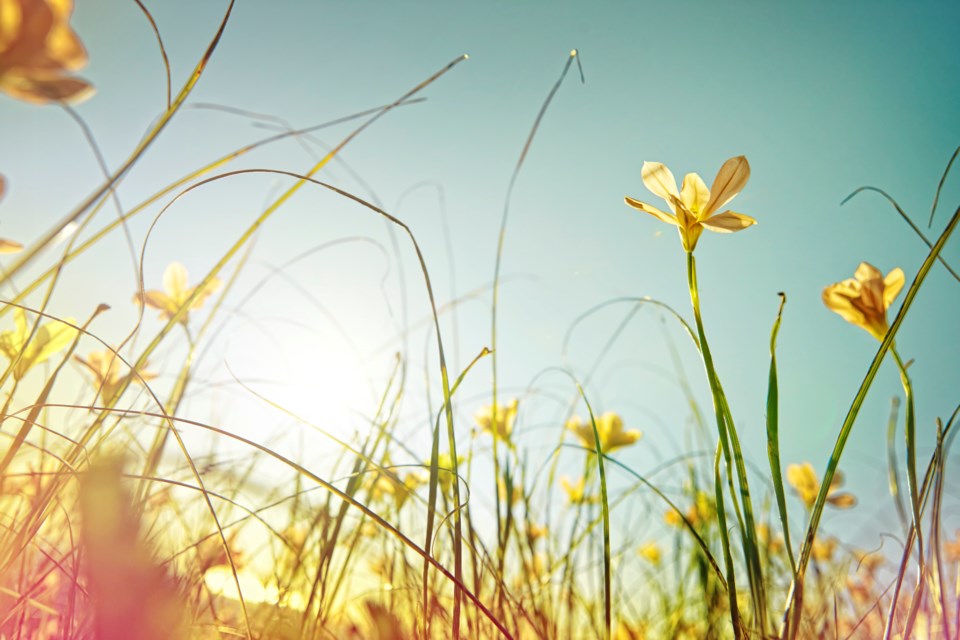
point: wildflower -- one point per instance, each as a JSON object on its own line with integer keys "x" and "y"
{"x": 211, "y": 552}
{"x": 296, "y": 536}
{"x": 610, "y": 428}
{"x": 773, "y": 544}
{"x": 175, "y": 293}
{"x": 108, "y": 377}
{"x": 47, "y": 340}
{"x": 823, "y": 549}
{"x": 516, "y": 493}
{"x": 951, "y": 549}
{"x": 400, "y": 490}
{"x": 445, "y": 468}
{"x": 694, "y": 206}
{"x": 804, "y": 481}
{"x": 650, "y": 552}
{"x": 497, "y": 419}
{"x": 7, "y": 246}
{"x": 38, "y": 49}
{"x": 863, "y": 300}
{"x": 575, "y": 492}
{"x": 535, "y": 532}
{"x": 701, "y": 511}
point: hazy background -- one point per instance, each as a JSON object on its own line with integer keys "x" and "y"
{"x": 821, "y": 97}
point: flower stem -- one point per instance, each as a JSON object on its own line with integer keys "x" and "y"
{"x": 729, "y": 441}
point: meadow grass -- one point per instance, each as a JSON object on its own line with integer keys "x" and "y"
{"x": 115, "y": 525}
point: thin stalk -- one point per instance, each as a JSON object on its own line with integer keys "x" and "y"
{"x": 726, "y": 429}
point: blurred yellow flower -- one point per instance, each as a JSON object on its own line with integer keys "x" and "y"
{"x": 805, "y": 482}
{"x": 700, "y": 512}
{"x": 48, "y": 339}
{"x": 211, "y": 551}
{"x": 399, "y": 490}
{"x": 445, "y": 474}
{"x": 773, "y": 544}
{"x": 951, "y": 548}
{"x": 650, "y": 552}
{"x": 574, "y": 491}
{"x": 38, "y": 49}
{"x": 610, "y": 429}
{"x": 175, "y": 293}
{"x": 516, "y": 492}
{"x": 498, "y": 419}
{"x": 823, "y": 548}
{"x": 109, "y": 373}
{"x": 863, "y": 300}
{"x": 694, "y": 206}
{"x": 535, "y": 532}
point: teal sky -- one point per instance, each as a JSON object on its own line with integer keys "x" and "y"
{"x": 821, "y": 97}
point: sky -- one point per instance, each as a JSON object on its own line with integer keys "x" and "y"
{"x": 821, "y": 97}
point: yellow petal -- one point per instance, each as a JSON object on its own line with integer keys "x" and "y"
{"x": 51, "y": 338}
{"x": 730, "y": 180}
{"x": 175, "y": 279}
{"x": 842, "y": 500}
{"x": 10, "y": 18}
{"x": 62, "y": 42}
{"x": 10, "y": 246}
{"x": 892, "y": 285}
{"x": 866, "y": 272}
{"x": 839, "y": 299}
{"x": 657, "y": 213}
{"x": 21, "y": 330}
{"x": 207, "y": 291}
{"x": 45, "y": 89}
{"x": 659, "y": 180}
{"x": 694, "y": 193}
{"x": 728, "y": 222}
{"x": 157, "y": 300}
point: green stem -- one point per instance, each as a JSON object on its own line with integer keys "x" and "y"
{"x": 723, "y": 434}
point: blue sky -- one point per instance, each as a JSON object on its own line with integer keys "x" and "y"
{"x": 821, "y": 97}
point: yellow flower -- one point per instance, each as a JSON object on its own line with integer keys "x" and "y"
{"x": 498, "y": 418}
{"x": 773, "y": 544}
{"x": 400, "y": 490}
{"x": 175, "y": 293}
{"x": 804, "y": 481}
{"x": 445, "y": 470}
{"x": 823, "y": 549}
{"x": 7, "y": 246}
{"x": 38, "y": 49}
{"x": 48, "y": 339}
{"x": 574, "y": 491}
{"x": 951, "y": 548}
{"x": 516, "y": 493}
{"x": 694, "y": 206}
{"x": 650, "y": 552}
{"x": 108, "y": 372}
{"x": 863, "y": 300}
{"x": 535, "y": 532}
{"x": 610, "y": 428}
